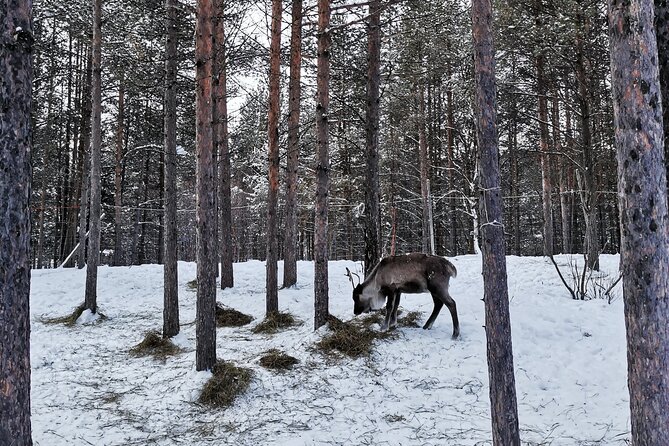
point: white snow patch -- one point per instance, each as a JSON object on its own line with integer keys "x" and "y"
{"x": 88, "y": 317}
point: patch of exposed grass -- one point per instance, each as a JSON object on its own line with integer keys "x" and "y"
{"x": 410, "y": 319}
{"x": 71, "y": 319}
{"x": 277, "y": 360}
{"x": 352, "y": 338}
{"x": 275, "y": 321}
{"x": 227, "y": 382}
{"x": 155, "y": 345}
{"x": 192, "y": 285}
{"x": 394, "y": 418}
{"x": 229, "y": 317}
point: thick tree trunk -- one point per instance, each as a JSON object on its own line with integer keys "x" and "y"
{"x": 321, "y": 256}
{"x": 372, "y": 192}
{"x": 662, "y": 34}
{"x": 15, "y": 146}
{"x": 498, "y": 327}
{"x": 118, "y": 175}
{"x": 643, "y": 208}
{"x": 223, "y": 151}
{"x": 272, "y": 293}
{"x": 170, "y": 272}
{"x": 546, "y": 186}
{"x": 90, "y": 302}
{"x": 292, "y": 163}
{"x": 205, "y": 330}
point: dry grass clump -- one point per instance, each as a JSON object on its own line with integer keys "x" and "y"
{"x": 227, "y": 382}
{"x": 192, "y": 285}
{"x": 71, "y": 319}
{"x": 155, "y": 345}
{"x": 410, "y": 319}
{"x": 229, "y": 317}
{"x": 352, "y": 338}
{"x": 277, "y": 360}
{"x": 275, "y": 321}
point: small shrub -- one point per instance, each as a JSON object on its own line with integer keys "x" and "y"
{"x": 227, "y": 382}
{"x": 276, "y": 321}
{"x": 229, "y": 317}
{"x": 277, "y": 360}
{"x": 155, "y": 345}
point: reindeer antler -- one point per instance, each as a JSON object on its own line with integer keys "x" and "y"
{"x": 350, "y": 275}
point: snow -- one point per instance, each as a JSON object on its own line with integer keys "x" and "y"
{"x": 420, "y": 389}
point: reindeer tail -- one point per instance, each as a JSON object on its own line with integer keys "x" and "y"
{"x": 452, "y": 271}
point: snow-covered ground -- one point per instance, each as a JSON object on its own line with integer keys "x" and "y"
{"x": 420, "y": 389}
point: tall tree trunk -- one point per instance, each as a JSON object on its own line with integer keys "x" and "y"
{"x": 590, "y": 196}
{"x": 546, "y": 186}
{"x": 118, "y": 172}
{"x": 40, "y": 237}
{"x": 90, "y": 302}
{"x": 170, "y": 271}
{"x": 272, "y": 293}
{"x": 565, "y": 220}
{"x": 292, "y": 163}
{"x": 84, "y": 160}
{"x": 221, "y": 134}
{"x": 16, "y": 79}
{"x": 372, "y": 192}
{"x": 498, "y": 327}
{"x": 642, "y": 193}
{"x": 424, "y": 172}
{"x": 662, "y": 34}
{"x": 321, "y": 256}
{"x": 451, "y": 156}
{"x": 205, "y": 331}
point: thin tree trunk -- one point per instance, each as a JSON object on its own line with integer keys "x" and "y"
{"x": 272, "y": 293}
{"x": 451, "y": 156}
{"x": 90, "y": 302}
{"x": 424, "y": 171}
{"x": 170, "y": 271}
{"x": 84, "y": 160}
{"x": 16, "y": 79}
{"x": 205, "y": 331}
{"x": 372, "y": 191}
{"x": 292, "y": 164}
{"x": 40, "y": 237}
{"x": 118, "y": 172}
{"x": 221, "y": 134}
{"x": 642, "y": 192}
{"x": 321, "y": 256}
{"x": 565, "y": 219}
{"x": 498, "y": 327}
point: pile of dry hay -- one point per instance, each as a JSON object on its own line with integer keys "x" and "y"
{"x": 227, "y": 382}
{"x": 155, "y": 345}
{"x": 275, "y": 321}
{"x": 71, "y": 319}
{"x": 229, "y": 317}
{"x": 353, "y": 338}
{"x": 408, "y": 320}
{"x": 277, "y": 360}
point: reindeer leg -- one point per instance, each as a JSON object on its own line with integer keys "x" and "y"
{"x": 393, "y": 316}
{"x": 450, "y": 303}
{"x": 390, "y": 303}
{"x": 437, "y": 308}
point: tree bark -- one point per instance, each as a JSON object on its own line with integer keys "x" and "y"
{"x": 565, "y": 220}
{"x": 205, "y": 331}
{"x": 118, "y": 176}
{"x": 170, "y": 271}
{"x": 292, "y": 164}
{"x": 272, "y": 293}
{"x": 321, "y": 256}
{"x": 16, "y": 48}
{"x": 424, "y": 172}
{"x": 643, "y": 208}
{"x": 372, "y": 192}
{"x": 90, "y": 302}
{"x": 84, "y": 161}
{"x": 223, "y": 151}
{"x": 498, "y": 327}
{"x": 662, "y": 35}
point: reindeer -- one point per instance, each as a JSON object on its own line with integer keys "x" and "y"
{"x": 410, "y": 273}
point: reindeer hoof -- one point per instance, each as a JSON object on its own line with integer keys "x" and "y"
{"x": 384, "y": 327}
{"x": 427, "y": 326}
{"x": 456, "y": 334}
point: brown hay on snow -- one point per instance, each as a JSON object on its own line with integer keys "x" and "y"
{"x": 155, "y": 345}
{"x": 410, "y": 319}
{"x": 227, "y": 382}
{"x": 276, "y": 321}
{"x": 229, "y": 317}
{"x": 352, "y": 338}
{"x": 277, "y": 360}
{"x": 71, "y": 319}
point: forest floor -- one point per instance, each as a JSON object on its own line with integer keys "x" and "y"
{"x": 420, "y": 388}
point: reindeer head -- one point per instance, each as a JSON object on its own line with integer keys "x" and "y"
{"x": 358, "y": 305}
